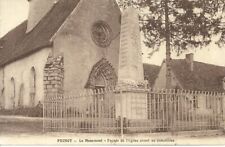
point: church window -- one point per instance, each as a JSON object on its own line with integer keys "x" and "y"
{"x": 32, "y": 86}
{"x": 13, "y": 92}
{"x": 101, "y": 34}
{"x": 21, "y": 95}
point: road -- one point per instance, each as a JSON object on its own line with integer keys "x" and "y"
{"x": 28, "y": 131}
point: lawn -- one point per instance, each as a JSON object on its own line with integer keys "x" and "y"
{"x": 18, "y": 125}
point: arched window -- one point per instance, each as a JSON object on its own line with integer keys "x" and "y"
{"x": 21, "y": 95}
{"x": 32, "y": 86}
{"x": 2, "y": 100}
{"x": 13, "y": 92}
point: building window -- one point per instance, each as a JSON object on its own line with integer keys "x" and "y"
{"x": 13, "y": 92}
{"x": 101, "y": 34}
{"x": 21, "y": 96}
{"x": 32, "y": 86}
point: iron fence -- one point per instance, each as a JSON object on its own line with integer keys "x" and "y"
{"x": 134, "y": 110}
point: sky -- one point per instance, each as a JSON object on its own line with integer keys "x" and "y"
{"x": 13, "y": 12}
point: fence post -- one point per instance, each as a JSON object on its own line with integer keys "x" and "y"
{"x": 61, "y": 125}
{"x": 121, "y": 113}
{"x": 43, "y": 118}
{"x": 223, "y": 112}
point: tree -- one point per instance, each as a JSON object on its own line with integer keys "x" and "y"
{"x": 181, "y": 24}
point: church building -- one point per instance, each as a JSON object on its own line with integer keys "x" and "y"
{"x": 83, "y": 35}
{"x": 63, "y": 46}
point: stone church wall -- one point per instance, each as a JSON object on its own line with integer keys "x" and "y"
{"x": 74, "y": 40}
{"x": 20, "y": 71}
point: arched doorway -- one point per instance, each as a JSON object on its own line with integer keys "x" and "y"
{"x": 102, "y": 76}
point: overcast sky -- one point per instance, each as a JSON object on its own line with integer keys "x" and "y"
{"x": 13, "y": 12}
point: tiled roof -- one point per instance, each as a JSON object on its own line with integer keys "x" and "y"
{"x": 204, "y": 77}
{"x": 151, "y": 73}
{"x": 17, "y": 43}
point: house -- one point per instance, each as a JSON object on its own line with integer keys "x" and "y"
{"x": 192, "y": 75}
{"x": 206, "y": 80}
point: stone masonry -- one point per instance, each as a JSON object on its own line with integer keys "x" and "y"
{"x": 54, "y": 77}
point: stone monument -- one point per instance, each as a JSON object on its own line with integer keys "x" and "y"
{"x": 130, "y": 54}
{"x": 132, "y": 100}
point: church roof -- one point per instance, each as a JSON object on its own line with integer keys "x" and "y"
{"x": 151, "y": 72}
{"x": 17, "y": 43}
{"x": 204, "y": 77}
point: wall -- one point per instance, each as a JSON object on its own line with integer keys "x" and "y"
{"x": 20, "y": 70}
{"x": 74, "y": 41}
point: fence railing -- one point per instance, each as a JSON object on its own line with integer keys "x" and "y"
{"x": 134, "y": 110}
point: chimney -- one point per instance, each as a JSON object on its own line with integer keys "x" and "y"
{"x": 190, "y": 61}
{"x": 37, "y": 10}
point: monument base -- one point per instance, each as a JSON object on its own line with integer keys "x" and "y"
{"x": 131, "y": 103}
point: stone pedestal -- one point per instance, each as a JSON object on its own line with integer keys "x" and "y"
{"x": 132, "y": 104}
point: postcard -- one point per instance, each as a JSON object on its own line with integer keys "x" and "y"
{"x": 112, "y": 72}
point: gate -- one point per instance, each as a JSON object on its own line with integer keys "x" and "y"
{"x": 166, "y": 110}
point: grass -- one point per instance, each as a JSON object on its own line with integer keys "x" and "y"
{"x": 19, "y": 125}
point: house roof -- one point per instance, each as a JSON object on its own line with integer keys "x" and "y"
{"x": 151, "y": 72}
{"x": 17, "y": 43}
{"x": 204, "y": 77}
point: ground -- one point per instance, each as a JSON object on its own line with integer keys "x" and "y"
{"x": 28, "y": 131}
